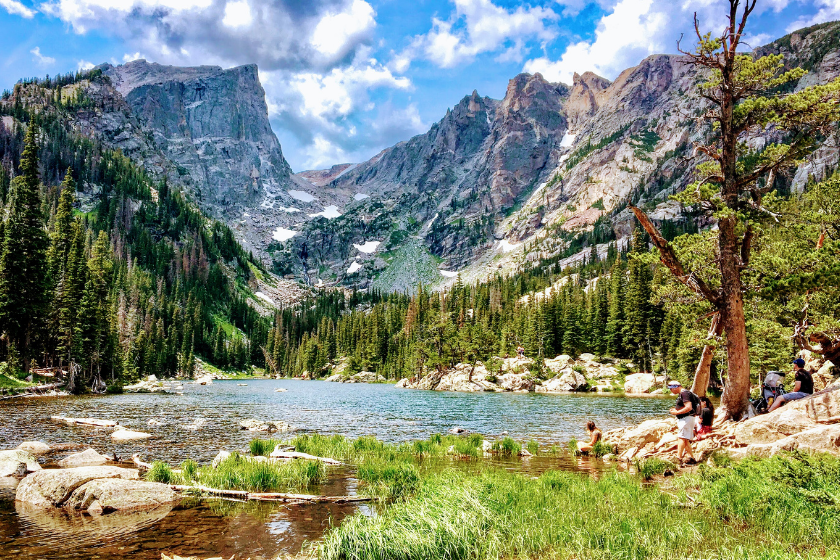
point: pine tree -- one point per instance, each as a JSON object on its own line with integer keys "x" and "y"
{"x": 615, "y": 319}
{"x": 24, "y": 295}
{"x": 637, "y": 306}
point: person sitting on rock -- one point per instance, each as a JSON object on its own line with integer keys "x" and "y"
{"x": 803, "y": 386}
{"x": 520, "y": 352}
{"x": 595, "y": 435}
{"x": 706, "y": 418}
{"x": 684, "y": 410}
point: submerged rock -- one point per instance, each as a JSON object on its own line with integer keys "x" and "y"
{"x": 129, "y": 435}
{"x": 217, "y": 460}
{"x": 17, "y": 462}
{"x": 53, "y": 487}
{"x": 264, "y": 426}
{"x": 105, "y": 495}
{"x": 88, "y": 457}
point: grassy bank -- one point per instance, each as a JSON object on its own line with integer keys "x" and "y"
{"x": 778, "y": 508}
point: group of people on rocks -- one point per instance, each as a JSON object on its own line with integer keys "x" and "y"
{"x": 695, "y": 415}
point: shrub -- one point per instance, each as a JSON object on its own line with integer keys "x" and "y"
{"x": 114, "y": 389}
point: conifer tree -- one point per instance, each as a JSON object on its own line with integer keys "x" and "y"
{"x": 23, "y": 264}
{"x": 615, "y": 320}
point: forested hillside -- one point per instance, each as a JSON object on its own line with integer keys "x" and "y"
{"x": 105, "y": 272}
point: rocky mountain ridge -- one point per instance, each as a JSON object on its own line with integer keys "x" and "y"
{"x": 494, "y": 186}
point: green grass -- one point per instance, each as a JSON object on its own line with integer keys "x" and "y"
{"x": 651, "y": 467}
{"x": 355, "y": 450}
{"x": 263, "y": 447}
{"x": 241, "y": 473}
{"x": 389, "y": 479}
{"x": 780, "y": 508}
{"x": 507, "y": 447}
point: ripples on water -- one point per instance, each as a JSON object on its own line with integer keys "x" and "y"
{"x": 206, "y": 419}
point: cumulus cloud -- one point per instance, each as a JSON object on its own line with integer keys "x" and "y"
{"x": 479, "y": 26}
{"x": 84, "y": 65}
{"x": 42, "y": 59}
{"x": 827, "y": 10}
{"x": 16, "y": 8}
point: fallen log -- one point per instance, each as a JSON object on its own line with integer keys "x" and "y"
{"x": 85, "y": 422}
{"x": 38, "y": 388}
{"x": 271, "y": 496}
{"x": 279, "y": 454}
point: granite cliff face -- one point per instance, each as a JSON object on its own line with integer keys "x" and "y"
{"x": 496, "y": 185}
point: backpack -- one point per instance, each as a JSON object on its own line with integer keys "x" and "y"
{"x": 696, "y": 404}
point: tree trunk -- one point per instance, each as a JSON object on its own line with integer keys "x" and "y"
{"x": 704, "y": 366}
{"x": 735, "y": 399}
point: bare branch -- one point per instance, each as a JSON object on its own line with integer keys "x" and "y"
{"x": 669, "y": 259}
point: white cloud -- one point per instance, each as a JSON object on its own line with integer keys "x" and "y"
{"x": 129, "y": 57}
{"x": 83, "y": 65}
{"x": 479, "y": 26}
{"x": 16, "y": 8}
{"x": 633, "y": 30}
{"x": 42, "y": 59}
{"x": 336, "y": 31}
{"x": 237, "y": 14}
{"x": 828, "y": 10}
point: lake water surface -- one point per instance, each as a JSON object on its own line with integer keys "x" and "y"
{"x": 205, "y": 419}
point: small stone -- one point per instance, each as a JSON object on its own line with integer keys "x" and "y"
{"x": 458, "y": 430}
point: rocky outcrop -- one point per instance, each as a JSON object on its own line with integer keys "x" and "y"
{"x": 361, "y": 377}
{"x": 17, "y": 462}
{"x": 642, "y": 383}
{"x": 822, "y": 408}
{"x": 123, "y": 435}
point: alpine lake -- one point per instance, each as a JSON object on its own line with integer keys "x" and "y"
{"x": 205, "y": 419}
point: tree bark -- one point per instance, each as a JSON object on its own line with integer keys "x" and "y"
{"x": 704, "y": 366}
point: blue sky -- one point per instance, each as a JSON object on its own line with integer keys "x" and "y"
{"x": 347, "y": 78}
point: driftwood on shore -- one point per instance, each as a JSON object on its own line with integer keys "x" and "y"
{"x": 270, "y": 496}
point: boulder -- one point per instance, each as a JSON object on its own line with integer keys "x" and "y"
{"x": 129, "y": 435}
{"x": 87, "y": 458}
{"x": 822, "y": 407}
{"x": 52, "y": 487}
{"x": 35, "y": 447}
{"x": 105, "y": 495}
{"x": 513, "y": 382}
{"x": 567, "y": 380}
{"x": 264, "y": 426}
{"x": 17, "y": 462}
{"x": 641, "y": 382}
{"x": 334, "y": 378}
{"x": 148, "y": 386}
{"x": 649, "y": 431}
{"x": 217, "y": 460}
{"x": 824, "y": 376}
{"x": 402, "y": 383}
{"x": 458, "y": 430}
{"x": 820, "y": 439}
{"x": 559, "y": 363}
{"x": 206, "y": 380}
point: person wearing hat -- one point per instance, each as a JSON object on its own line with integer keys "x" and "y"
{"x": 803, "y": 386}
{"x": 684, "y": 410}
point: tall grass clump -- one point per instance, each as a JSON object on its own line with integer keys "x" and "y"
{"x": 389, "y": 479}
{"x": 600, "y": 449}
{"x": 649, "y": 468}
{"x": 572, "y": 447}
{"x": 239, "y": 473}
{"x": 160, "y": 472}
{"x": 263, "y": 447}
{"x": 533, "y": 447}
{"x": 507, "y": 447}
{"x": 189, "y": 470}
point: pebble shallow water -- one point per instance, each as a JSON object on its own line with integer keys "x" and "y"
{"x": 205, "y": 419}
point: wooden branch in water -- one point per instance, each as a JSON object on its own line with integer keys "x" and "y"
{"x": 272, "y": 496}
